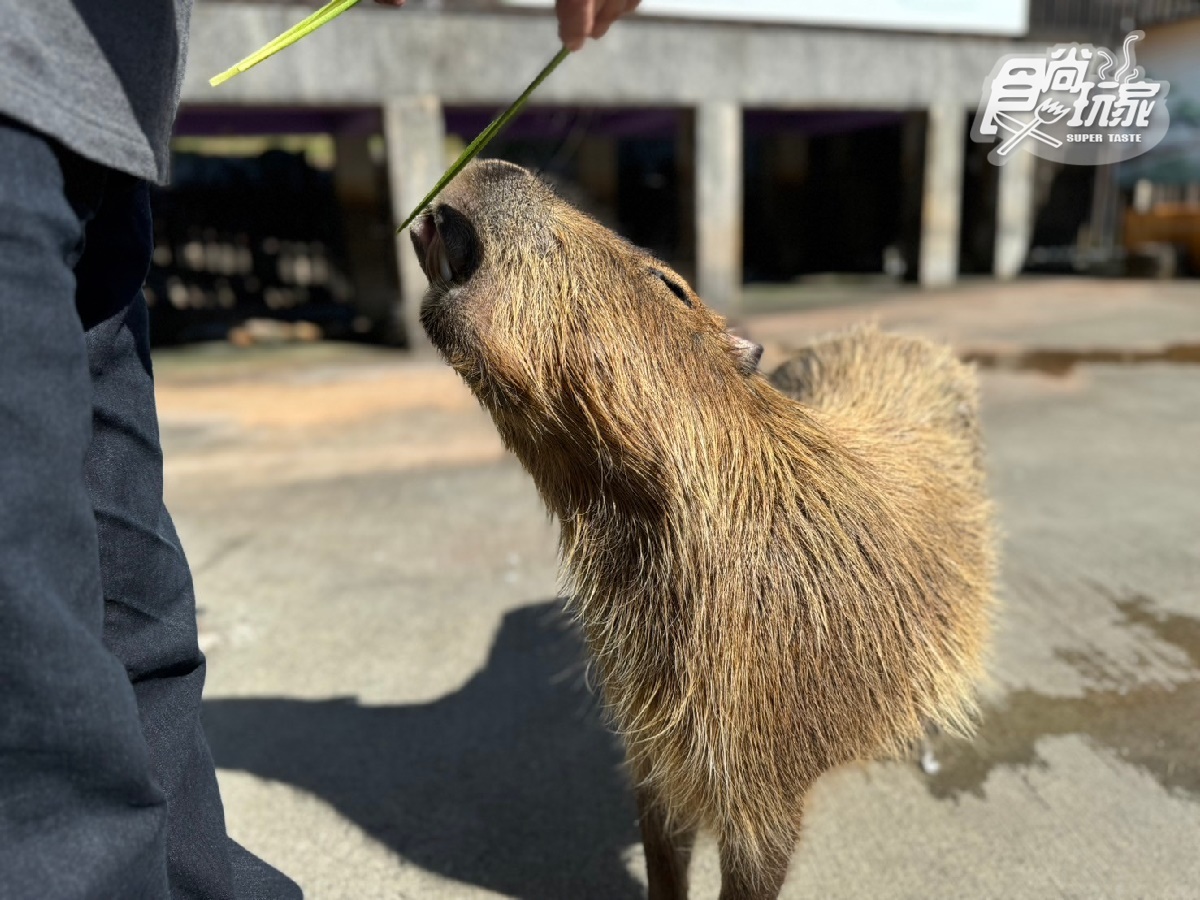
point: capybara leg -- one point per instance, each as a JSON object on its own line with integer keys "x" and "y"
{"x": 668, "y": 851}
{"x": 753, "y": 878}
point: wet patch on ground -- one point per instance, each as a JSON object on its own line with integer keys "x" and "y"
{"x": 1058, "y": 363}
{"x": 1154, "y": 726}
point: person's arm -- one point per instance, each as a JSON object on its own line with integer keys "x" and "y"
{"x": 578, "y": 19}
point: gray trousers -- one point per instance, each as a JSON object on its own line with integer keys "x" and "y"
{"x": 107, "y": 786}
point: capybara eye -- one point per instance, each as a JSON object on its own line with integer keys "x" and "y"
{"x": 677, "y": 289}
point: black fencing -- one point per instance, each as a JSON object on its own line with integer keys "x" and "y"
{"x": 239, "y": 238}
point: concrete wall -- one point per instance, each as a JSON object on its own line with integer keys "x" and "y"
{"x": 371, "y": 55}
{"x": 410, "y": 63}
{"x": 1169, "y": 51}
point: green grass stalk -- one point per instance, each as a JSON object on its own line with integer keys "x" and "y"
{"x": 485, "y": 137}
{"x": 307, "y": 26}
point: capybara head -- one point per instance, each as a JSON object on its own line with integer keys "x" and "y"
{"x": 559, "y": 326}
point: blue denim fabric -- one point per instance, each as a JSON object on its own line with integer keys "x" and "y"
{"x": 107, "y": 787}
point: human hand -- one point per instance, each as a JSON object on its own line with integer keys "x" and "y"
{"x": 580, "y": 19}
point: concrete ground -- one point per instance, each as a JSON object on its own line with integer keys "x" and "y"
{"x": 398, "y": 711}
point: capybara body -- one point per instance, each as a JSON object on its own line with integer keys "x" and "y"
{"x": 772, "y": 579}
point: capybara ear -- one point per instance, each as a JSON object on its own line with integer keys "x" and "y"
{"x": 745, "y": 352}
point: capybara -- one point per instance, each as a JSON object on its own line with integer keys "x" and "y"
{"x": 772, "y": 579}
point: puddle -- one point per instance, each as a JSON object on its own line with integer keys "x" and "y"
{"x": 1155, "y": 727}
{"x": 1058, "y": 363}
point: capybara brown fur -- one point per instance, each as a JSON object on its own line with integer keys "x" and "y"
{"x": 772, "y": 579}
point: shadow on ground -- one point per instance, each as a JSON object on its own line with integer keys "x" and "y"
{"x": 511, "y": 783}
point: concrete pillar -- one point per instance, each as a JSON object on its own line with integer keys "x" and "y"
{"x": 718, "y": 136}
{"x": 414, "y": 131}
{"x": 941, "y": 207}
{"x": 1014, "y": 214}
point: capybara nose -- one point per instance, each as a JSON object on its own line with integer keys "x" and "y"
{"x": 422, "y": 233}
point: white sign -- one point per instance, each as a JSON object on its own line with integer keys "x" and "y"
{"x": 1076, "y": 103}
{"x": 1009, "y": 17}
